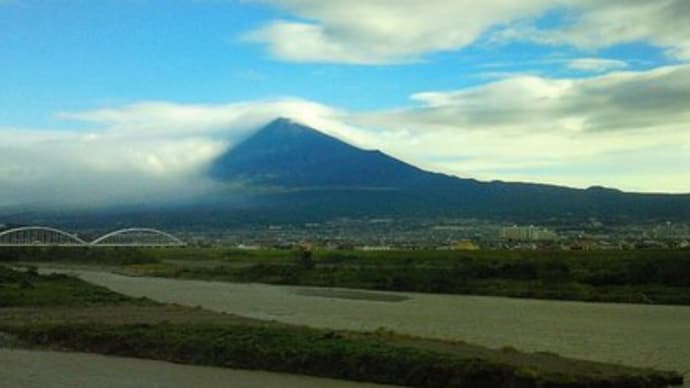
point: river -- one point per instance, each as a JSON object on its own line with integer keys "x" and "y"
{"x": 636, "y": 335}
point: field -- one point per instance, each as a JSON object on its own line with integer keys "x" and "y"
{"x": 80, "y": 316}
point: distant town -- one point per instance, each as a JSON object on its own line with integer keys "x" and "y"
{"x": 441, "y": 234}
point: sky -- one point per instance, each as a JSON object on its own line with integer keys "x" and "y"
{"x": 124, "y": 100}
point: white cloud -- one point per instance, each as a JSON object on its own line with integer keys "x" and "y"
{"x": 596, "y": 24}
{"x": 144, "y": 151}
{"x": 382, "y": 31}
{"x": 621, "y": 100}
{"x": 624, "y": 129}
{"x": 596, "y": 65}
{"x": 611, "y": 130}
{"x": 173, "y": 119}
{"x": 100, "y": 168}
{"x": 663, "y": 23}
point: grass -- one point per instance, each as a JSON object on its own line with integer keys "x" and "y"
{"x": 80, "y": 255}
{"x": 28, "y": 288}
{"x": 634, "y": 276}
{"x": 374, "y": 357}
{"x": 659, "y": 277}
{"x": 277, "y": 349}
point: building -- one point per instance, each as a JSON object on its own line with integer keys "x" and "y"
{"x": 671, "y": 231}
{"x": 526, "y": 233}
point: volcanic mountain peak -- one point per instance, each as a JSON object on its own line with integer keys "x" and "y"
{"x": 293, "y": 156}
{"x": 289, "y": 154}
{"x": 283, "y": 133}
{"x": 285, "y": 127}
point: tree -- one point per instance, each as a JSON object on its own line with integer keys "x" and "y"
{"x": 304, "y": 255}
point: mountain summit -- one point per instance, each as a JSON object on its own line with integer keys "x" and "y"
{"x": 326, "y": 176}
{"x": 287, "y": 154}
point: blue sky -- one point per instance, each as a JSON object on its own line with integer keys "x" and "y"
{"x": 403, "y": 76}
{"x": 91, "y": 54}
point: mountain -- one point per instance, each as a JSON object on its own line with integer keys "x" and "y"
{"x": 306, "y": 172}
{"x": 287, "y": 154}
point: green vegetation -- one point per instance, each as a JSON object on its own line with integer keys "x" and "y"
{"x": 296, "y": 351}
{"x": 88, "y": 318}
{"x": 633, "y": 276}
{"x": 78, "y": 255}
{"x": 644, "y": 276}
{"x": 28, "y": 288}
{"x": 382, "y": 358}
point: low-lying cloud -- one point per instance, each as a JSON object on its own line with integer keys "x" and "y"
{"x": 624, "y": 129}
{"x": 149, "y": 151}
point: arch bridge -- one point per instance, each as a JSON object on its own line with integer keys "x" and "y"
{"x": 137, "y": 237}
{"x": 39, "y": 236}
{"x": 51, "y": 237}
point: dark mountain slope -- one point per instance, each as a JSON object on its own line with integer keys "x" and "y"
{"x": 288, "y": 154}
{"x": 324, "y": 176}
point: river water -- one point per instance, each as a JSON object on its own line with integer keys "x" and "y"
{"x": 636, "y": 335}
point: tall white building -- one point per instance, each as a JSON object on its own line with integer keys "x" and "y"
{"x": 527, "y": 233}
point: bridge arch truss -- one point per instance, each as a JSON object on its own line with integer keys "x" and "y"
{"x": 39, "y": 236}
{"x": 36, "y": 236}
{"x": 138, "y": 237}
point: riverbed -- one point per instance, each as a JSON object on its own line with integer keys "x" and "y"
{"x": 636, "y": 335}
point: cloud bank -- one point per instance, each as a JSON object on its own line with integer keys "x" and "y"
{"x": 623, "y": 129}
{"x": 381, "y": 31}
{"x": 149, "y": 151}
